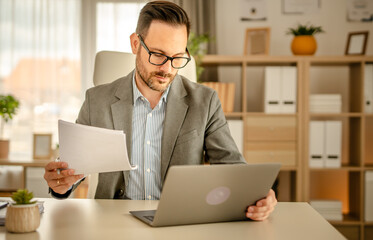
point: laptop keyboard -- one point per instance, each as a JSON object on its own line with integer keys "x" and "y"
{"x": 150, "y": 218}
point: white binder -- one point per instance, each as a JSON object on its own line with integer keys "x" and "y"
{"x": 333, "y": 144}
{"x": 236, "y": 128}
{"x": 368, "y": 196}
{"x": 368, "y": 88}
{"x": 316, "y": 144}
{"x": 272, "y": 84}
{"x": 288, "y": 89}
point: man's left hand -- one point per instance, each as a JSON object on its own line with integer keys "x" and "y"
{"x": 261, "y": 210}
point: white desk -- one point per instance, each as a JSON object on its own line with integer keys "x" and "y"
{"x": 110, "y": 220}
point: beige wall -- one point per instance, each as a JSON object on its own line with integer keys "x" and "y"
{"x": 332, "y": 17}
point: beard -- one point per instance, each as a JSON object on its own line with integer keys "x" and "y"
{"x": 150, "y": 79}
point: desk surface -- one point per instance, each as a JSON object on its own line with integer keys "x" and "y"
{"x": 110, "y": 219}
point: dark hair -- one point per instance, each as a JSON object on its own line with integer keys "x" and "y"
{"x": 164, "y": 11}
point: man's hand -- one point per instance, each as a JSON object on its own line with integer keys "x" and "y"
{"x": 261, "y": 210}
{"x": 62, "y": 182}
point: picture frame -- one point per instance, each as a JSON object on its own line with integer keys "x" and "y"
{"x": 42, "y": 146}
{"x": 257, "y": 41}
{"x": 356, "y": 43}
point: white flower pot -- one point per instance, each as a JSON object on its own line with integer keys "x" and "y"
{"x": 22, "y": 218}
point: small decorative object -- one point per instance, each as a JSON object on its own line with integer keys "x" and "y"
{"x": 8, "y": 107}
{"x": 257, "y": 41}
{"x": 356, "y": 43}
{"x": 197, "y": 48}
{"x": 225, "y": 93}
{"x": 42, "y": 146}
{"x": 304, "y": 42}
{"x": 23, "y": 215}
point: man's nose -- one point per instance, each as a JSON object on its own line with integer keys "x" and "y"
{"x": 166, "y": 67}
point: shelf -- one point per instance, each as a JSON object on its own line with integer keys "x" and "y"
{"x": 289, "y": 168}
{"x": 343, "y": 168}
{"x": 315, "y": 74}
{"x": 336, "y": 115}
{"x": 234, "y": 114}
{"x": 347, "y": 220}
{"x": 336, "y": 60}
{"x": 222, "y": 60}
{"x": 24, "y": 162}
{"x": 262, "y": 114}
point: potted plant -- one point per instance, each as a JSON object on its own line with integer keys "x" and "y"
{"x": 23, "y": 215}
{"x": 304, "y": 42}
{"x": 8, "y": 108}
{"x": 197, "y": 48}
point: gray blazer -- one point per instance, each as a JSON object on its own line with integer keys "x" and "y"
{"x": 194, "y": 124}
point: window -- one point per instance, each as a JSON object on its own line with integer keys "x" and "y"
{"x": 115, "y": 23}
{"x": 40, "y": 65}
{"x": 44, "y": 64}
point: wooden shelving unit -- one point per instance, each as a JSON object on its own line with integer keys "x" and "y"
{"x": 304, "y": 182}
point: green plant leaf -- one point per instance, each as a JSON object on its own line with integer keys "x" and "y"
{"x": 23, "y": 196}
{"x": 305, "y": 30}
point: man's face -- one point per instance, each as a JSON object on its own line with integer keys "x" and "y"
{"x": 161, "y": 38}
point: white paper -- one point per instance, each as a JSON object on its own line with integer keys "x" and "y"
{"x": 89, "y": 149}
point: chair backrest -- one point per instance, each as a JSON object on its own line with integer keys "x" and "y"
{"x": 110, "y": 66}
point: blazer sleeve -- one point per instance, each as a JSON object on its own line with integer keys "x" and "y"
{"x": 219, "y": 145}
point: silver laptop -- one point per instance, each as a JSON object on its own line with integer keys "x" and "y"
{"x": 207, "y": 194}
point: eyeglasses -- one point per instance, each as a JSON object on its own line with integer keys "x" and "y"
{"x": 159, "y": 59}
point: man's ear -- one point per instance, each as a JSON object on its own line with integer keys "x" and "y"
{"x": 135, "y": 43}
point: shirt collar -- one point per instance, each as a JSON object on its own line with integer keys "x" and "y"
{"x": 137, "y": 94}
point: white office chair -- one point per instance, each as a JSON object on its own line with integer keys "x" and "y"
{"x": 110, "y": 66}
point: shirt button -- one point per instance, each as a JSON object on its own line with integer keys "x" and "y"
{"x": 150, "y": 115}
{"x": 148, "y": 142}
{"x": 149, "y": 197}
{"x": 142, "y": 98}
{"x": 148, "y": 170}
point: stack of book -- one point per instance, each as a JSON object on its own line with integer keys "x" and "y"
{"x": 329, "y": 209}
{"x": 325, "y": 103}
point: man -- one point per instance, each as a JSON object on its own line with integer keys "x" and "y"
{"x": 169, "y": 120}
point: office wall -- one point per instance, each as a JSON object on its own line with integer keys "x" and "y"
{"x": 332, "y": 17}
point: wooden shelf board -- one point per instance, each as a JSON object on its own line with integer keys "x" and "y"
{"x": 335, "y": 60}
{"x": 289, "y": 168}
{"x": 234, "y": 114}
{"x": 343, "y": 168}
{"x": 370, "y": 223}
{"x": 336, "y": 114}
{"x": 222, "y": 59}
{"x": 347, "y": 220}
{"x": 25, "y": 163}
{"x": 262, "y": 114}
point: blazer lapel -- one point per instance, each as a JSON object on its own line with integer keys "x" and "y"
{"x": 122, "y": 113}
{"x": 175, "y": 115}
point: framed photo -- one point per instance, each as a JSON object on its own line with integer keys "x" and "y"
{"x": 356, "y": 43}
{"x": 42, "y": 148}
{"x": 257, "y": 41}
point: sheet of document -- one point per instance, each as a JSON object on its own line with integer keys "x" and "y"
{"x": 92, "y": 150}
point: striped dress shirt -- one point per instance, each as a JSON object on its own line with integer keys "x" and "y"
{"x": 147, "y": 128}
